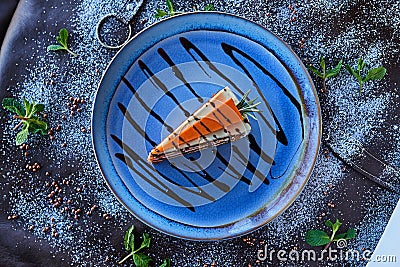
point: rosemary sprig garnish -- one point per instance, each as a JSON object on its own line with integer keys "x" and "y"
{"x": 246, "y": 107}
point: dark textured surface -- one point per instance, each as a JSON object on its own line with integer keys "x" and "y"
{"x": 336, "y": 29}
{"x": 7, "y": 8}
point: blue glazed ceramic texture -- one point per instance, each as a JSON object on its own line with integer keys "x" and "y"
{"x": 167, "y": 72}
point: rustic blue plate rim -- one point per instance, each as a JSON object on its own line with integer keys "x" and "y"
{"x": 120, "y": 65}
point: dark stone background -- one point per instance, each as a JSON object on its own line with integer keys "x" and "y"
{"x": 95, "y": 241}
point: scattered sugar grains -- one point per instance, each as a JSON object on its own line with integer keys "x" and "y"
{"x": 352, "y": 118}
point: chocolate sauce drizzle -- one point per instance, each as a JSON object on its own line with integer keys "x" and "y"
{"x": 197, "y": 55}
{"x": 157, "y": 83}
{"x": 178, "y": 73}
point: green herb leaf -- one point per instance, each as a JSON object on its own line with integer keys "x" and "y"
{"x": 22, "y": 136}
{"x": 375, "y": 74}
{"x": 340, "y": 236}
{"x": 335, "y": 71}
{"x": 166, "y": 263}
{"x": 170, "y": 7}
{"x": 129, "y": 239}
{"x": 171, "y": 10}
{"x": 14, "y": 106}
{"x": 329, "y": 223}
{"x": 351, "y": 233}
{"x": 322, "y": 63}
{"x": 361, "y": 64}
{"x": 28, "y": 107}
{"x": 63, "y": 37}
{"x": 336, "y": 225}
{"x": 55, "y": 48}
{"x": 317, "y": 238}
{"x": 325, "y": 74}
{"x": 26, "y": 115}
{"x": 160, "y": 13}
{"x": 209, "y": 7}
{"x": 141, "y": 260}
{"x": 145, "y": 242}
{"x": 353, "y": 72}
{"x": 37, "y": 126}
{"x": 315, "y": 71}
{"x": 36, "y": 108}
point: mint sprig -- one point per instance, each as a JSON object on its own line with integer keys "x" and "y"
{"x": 325, "y": 74}
{"x": 169, "y": 12}
{"x": 166, "y": 263}
{"x": 371, "y": 74}
{"x": 27, "y": 113}
{"x": 160, "y": 13}
{"x": 209, "y": 7}
{"x": 317, "y": 238}
{"x": 139, "y": 258}
{"x": 62, "y": 39}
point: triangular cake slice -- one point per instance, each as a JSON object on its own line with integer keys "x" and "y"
{"x": 221, "y": 120}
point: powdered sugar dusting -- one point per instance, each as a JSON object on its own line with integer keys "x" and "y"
{"x": 328, "y": 28}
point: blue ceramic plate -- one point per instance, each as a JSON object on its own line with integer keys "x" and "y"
{"x": 167, "y": 72}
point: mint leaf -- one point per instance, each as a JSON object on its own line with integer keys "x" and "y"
{"x": 55, "y": 48}
{"x": 322, "y": 63}
{"x": 160, "y": 13}
{"x": 170, "y": 7}
{"x": 22, "y": 136}
{"x": 375, "y": 74}
{"x": 141, "y": 260}
{"x": 28, "y": 107}
{"x": 317, "y": 238}
{"x": 37, "y": 108}
{"x": 351, "y": 233}
{"x": 171, "y": 10}
{"x": 166, "y": 263}
{"x": 315, "y": 71}
{"x": 353, "y": 72}
{"x": 209, "y": 7}
{"x": 361, "y": 65}
{"x": 325, "y": 74}
{"x": 329, "y": 223}
{"x": 63, "y": 37}
{"x": 340, "y": 236}
{"x": 37, "y": 126}
{"x": 336, "y": 225}
{"x": 25, "y": 113}
{"x": 145, "y": 242}
{"x": 14, "y": 106}
{"x": 335, "y": 71}
{"x": 129, "y": 239}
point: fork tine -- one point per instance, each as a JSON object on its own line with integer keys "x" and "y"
{"x": 372, "y": 167}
